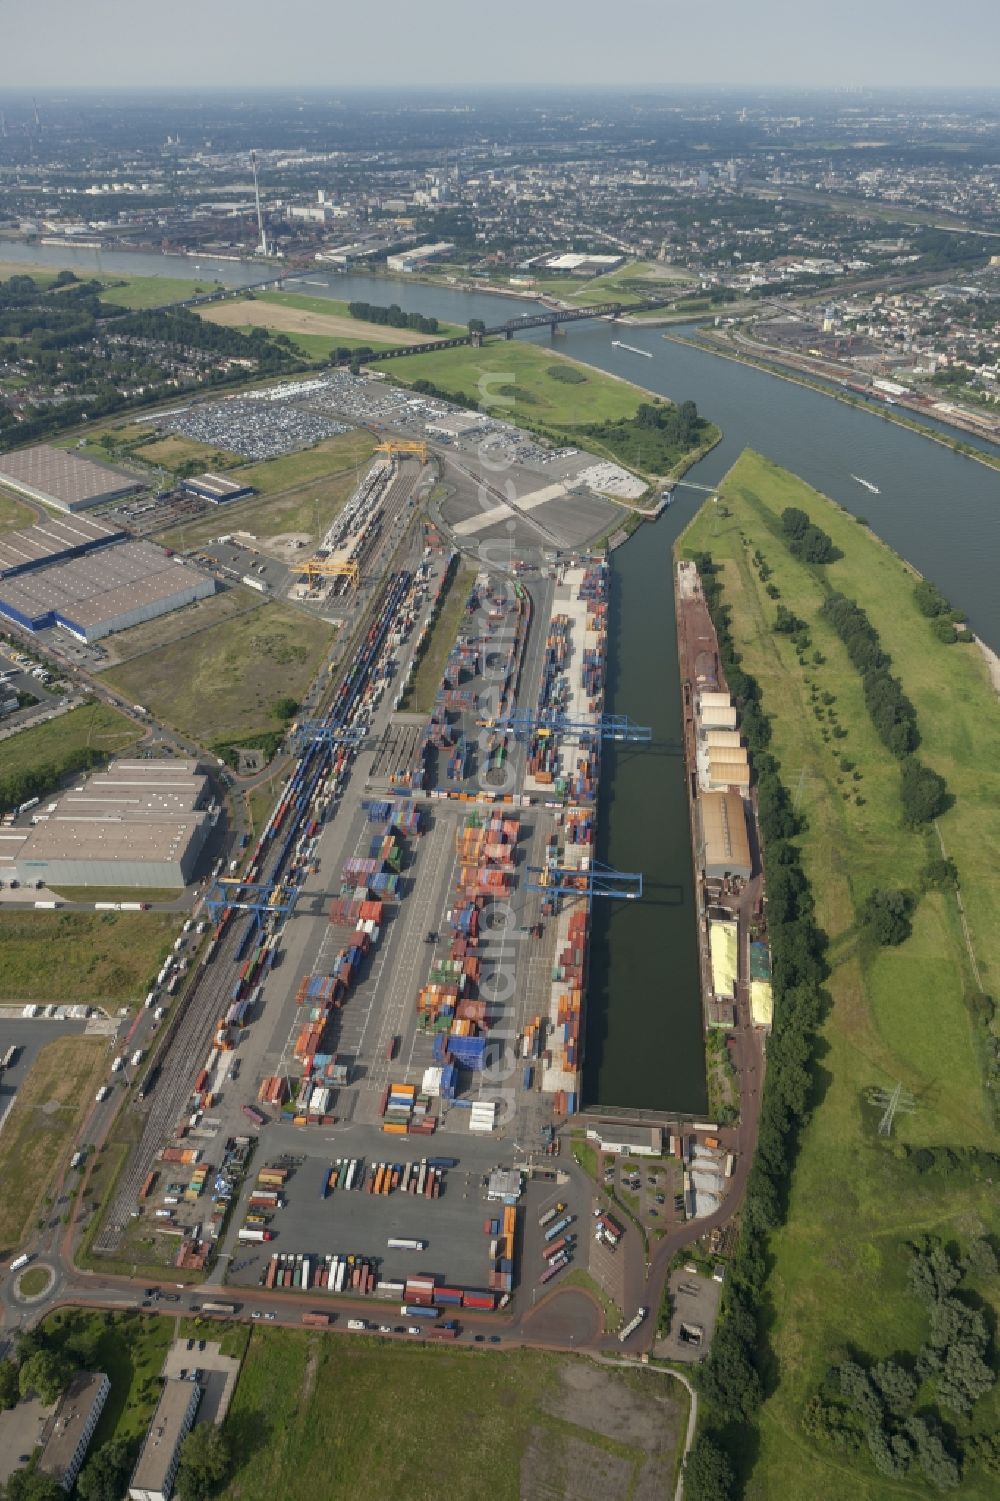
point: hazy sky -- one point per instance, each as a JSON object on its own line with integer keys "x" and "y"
{"x": 56, "y": 43}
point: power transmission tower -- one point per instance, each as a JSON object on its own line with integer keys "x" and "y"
{"x": 892, "y": 1103}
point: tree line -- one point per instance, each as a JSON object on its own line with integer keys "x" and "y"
{"x": 19, "y": 787}
{"x": 393, "y": 316}
{"x": 922, "y": 791}
{"x": 730, "y": 1380}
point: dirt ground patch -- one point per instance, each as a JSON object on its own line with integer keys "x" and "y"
{"x": 593, "y": 1397}
{"x": 558, "y": 1464}
{"x": 293, "y": 320}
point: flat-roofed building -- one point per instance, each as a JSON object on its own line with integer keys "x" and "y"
{"x": 216, "y": 488}
{"x": 67, "y": 1434}
{"x": 140, "y": 823}
{"x": 54, "y": 540}
{"x": 624, "y": 1141}
{"x": 65, "y": 479}
{"x": 153, "y": 1479}
{"x": 98, "y": 593}
{"x": 725, "y": 842}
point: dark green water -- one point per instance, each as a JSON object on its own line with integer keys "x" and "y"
{"x": 644, "y": 1042}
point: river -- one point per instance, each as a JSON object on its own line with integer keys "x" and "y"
{"x": 937, "y": 508}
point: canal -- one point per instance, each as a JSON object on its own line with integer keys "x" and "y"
{"x": 938, "y": 509}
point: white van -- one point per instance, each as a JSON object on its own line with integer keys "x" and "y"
{"x": 102, "y": 1094}
{"x": 20, "y": 1261}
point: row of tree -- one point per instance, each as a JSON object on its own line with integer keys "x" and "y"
{"x": 922, "y": 791}
{"x": 730, "y": 1379}
{"x": 19, "y": 787}
{"x": 806, "y": 541}
{"x": 393, "y": 316}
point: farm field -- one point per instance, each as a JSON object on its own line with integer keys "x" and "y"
{"x": 519, "y": 382}
{"x": 95, "y": 726}
{"x": 897, "y": 1014}
{"x": 355, "y": 1416}
{"x": 333, "y": 307}
{"x": 114, "y": 955}
{"x": 220, "y": 685}
{"x": 47, "y": 1110}
{"x": 287, "y": 318}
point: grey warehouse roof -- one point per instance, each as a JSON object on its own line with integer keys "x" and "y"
{"x": 65, "y": 477}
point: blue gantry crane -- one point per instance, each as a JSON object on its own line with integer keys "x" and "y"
{"x": 263, "y": 898}
{"x": 592, "y": 881}
{"x": 330, "y": 734}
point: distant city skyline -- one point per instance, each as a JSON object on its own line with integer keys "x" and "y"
{"x": 649, "y": 44}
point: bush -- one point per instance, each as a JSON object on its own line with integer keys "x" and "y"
{"x": 885, "y": 915}
{"x": 708, "y": 1475}
{"x": 923, "y": 793}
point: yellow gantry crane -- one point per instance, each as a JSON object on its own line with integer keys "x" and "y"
{"x": 326, "y": 568}
{"x": 393, "y": 446}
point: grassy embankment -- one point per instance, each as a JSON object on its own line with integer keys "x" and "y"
{"x": 554, "y": 396}
{"x": 898, "y": 1014}
{"x": 424, "y": 684}
{"x": 140, "y": 292}
{"x": 362, "y": 1418}
{"x": 92, "y": 726}
{"x": 43, "y": 1121}
{"x": 82, "y": 958}
{"x": 220, "y": 685}
{"x": 13, "y": 512}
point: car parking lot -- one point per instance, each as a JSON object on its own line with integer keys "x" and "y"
{"x": 263, "y": 428}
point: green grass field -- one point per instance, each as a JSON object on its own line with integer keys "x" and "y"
{"x": 13, "y": 512}
{"x": 95, "y": 725}
{"x": 514, "y": 378}
{"x": 419, "y": 696}
{"x": 173, "y": 449}
{"x": 221, "y": 684}
{"x": 140, "y": 292}
{"x": 43, "y": 1120}
{"x": 367, "y": 1419}
{"x": 628, "y": 284}
{"x": 114, "y": 955}
{"x": 130, "y": 1349}
{"x": 306, "y": 466}
{"x": 897, "y": 1014}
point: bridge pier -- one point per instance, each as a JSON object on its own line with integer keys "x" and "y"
{"x": 476, "y": 340}
{"x": 508, "y": 333}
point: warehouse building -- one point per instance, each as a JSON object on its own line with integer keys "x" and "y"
{"x": 101, "y": 592}
{"x": 67, "y": 1434}
{"x": 216, "y": 488}
{"x": 140, "y": 823}
{"x": 64, "y": 479}
{"x": 156, "y": 1470}
{"x": 725, "y": 842}
{"x": 412, "y": 260}
{"x": 729, "y": 766}
{"x": 54, "y": 540}
{"x": 627, "y": 1141}
{"x": 716, "y": 711}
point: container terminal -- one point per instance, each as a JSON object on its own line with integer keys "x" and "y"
{"x": 394, "y": 971}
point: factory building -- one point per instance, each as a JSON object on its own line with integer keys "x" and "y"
{"x": 412, "y": 260}
{"x": 153, "y": 1479}
{"x": 95, "y": 594}
{"x": 216, "y": 488}
{"x": 64, "y": 479}
{"x": 67, "y": 1434}
{"x": 584, "y": 265}
{"x": 140, "y": 823}
{"x": 627, "y": 1141}
{"x": 54, "y": 540}
{"x": 725, "y": 842}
